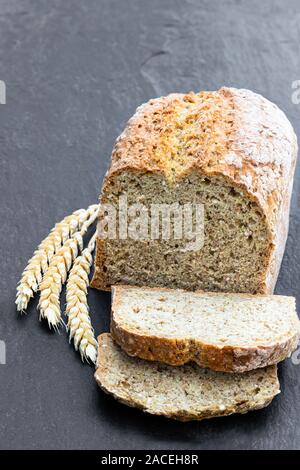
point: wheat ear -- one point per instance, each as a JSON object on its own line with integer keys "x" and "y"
{"x": 77, "y": 310}
{"x": 56, "y": 276}
{"x": 38, "y": 264}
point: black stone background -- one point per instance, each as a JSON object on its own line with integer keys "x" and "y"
{"x": 75, "y": 71}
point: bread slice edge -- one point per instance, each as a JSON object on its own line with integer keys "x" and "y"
{"x": 176, "y": 352}
{"x": 122, "y": 395}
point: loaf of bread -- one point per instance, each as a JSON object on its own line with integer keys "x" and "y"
{"x": 185, "y": 392}
{"x": 231, "y": 152}
{"x": 224, "y": 332}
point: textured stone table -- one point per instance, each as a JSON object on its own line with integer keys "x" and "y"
{"x": 74, "y": 72}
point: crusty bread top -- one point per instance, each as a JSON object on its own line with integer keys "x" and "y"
{"x": 185, "y": 392}
{"x": 236, "y": 134}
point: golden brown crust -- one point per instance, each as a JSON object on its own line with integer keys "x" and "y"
{"x": 229, "y": 132}
{"x": 234, "y": 134}
{"x": 174, "y": 134}
{"x": 177, "y": 352}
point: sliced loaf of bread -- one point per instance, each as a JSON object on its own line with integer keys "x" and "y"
{"x": 230, "y": 151}
{"x": 185, "y": 393}
{"x": 225, "y": 332}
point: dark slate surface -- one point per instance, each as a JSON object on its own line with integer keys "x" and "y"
{"x": 75, "y": 71}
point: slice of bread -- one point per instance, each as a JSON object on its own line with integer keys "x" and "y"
{"x": 225, "y": 332}
{"x": 184, "y": 393}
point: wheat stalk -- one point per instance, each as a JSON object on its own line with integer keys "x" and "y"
{"x": 56, "y": 276}
{"x": 38, "y": 264}
{"x": 77, "y": 310}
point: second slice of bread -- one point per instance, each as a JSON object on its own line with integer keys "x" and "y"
{"x": 224, "y": 332}
{"x": 184, "y": 393}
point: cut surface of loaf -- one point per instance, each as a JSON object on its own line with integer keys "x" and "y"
{"x": 186, "y": 392}
{"x": 229, "y": 151}
{"x": 225, "y": 332}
